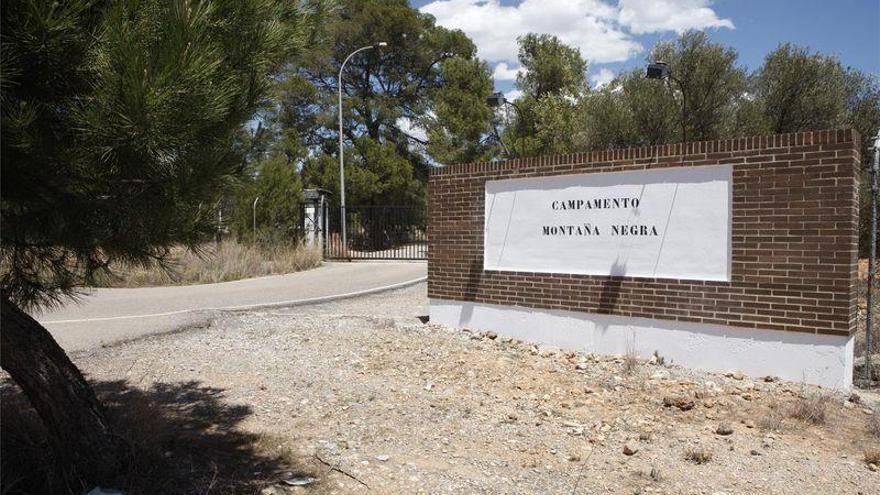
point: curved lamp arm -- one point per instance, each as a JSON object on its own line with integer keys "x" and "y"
{"x": 341, "y": 151}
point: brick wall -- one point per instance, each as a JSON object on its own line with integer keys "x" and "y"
{"x": 794, "y": 237}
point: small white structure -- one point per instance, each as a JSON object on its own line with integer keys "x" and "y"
{"x": 315, "y": 209}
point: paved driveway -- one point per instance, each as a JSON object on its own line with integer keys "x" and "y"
{"x": 104, "y": 316}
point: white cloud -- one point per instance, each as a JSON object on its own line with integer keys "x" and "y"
{"x": 504, "y": 72}
{"x": 513, "y": 95}
{"x": 601, "y": 31}
{"x": 411, "y": 128}
{"x": 651, "y": 16}
{"x": 585, "y": 24}
{"x": 603, "y": 77}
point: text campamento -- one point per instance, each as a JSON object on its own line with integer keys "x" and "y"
{"x": 588, "y": 229}
{"x": 595, "y": 203}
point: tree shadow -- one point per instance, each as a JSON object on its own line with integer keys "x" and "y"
{"x": 184, "y": 437}
{"x": 611, "y": 286}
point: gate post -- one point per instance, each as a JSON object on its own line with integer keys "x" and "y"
{"x": 314, "y": 217}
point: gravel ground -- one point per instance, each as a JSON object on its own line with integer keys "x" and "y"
{"x": 363, "y": 396}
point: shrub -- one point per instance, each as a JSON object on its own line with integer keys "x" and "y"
{"x": 874, "y": 423}
{"x": 630, "y": 360}
{"x": 279, "y": 209}
{"x": 698, "y": 455}
{"x": 772, "y": 419}
{"x": 811, "y": 407}
{"x": 217, "y": 263}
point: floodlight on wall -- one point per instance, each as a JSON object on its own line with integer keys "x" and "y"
{"x": 657, "y": 70}
{"x": 496, "y": 99}
{"x": 660, "y": 70}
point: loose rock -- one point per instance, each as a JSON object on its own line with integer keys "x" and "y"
{"x": 682, "y": 403}
{"x": 724, "y": 429}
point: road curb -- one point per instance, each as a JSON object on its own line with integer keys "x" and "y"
{"x": 324, "y": 299}
{"x": 250, "y": 307}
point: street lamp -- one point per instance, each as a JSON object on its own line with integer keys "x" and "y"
{"x": 255, "y": 217}
{"x": 341, "y": 153}
{"x": 496, "y": 100}
{"x": 872, "y": 261}
{"x": 661, "y": 70}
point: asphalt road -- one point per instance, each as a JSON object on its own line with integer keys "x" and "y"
{"x": 105, "y": 316}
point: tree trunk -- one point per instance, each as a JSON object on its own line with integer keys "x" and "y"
{"x": 64, "y": 400}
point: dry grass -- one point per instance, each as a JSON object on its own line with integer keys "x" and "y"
{"x": 630, "y": 360}
{"x": 812, "y": 408}
{"x": 218, "y": 263}
{"x": 873, "y": 425}
{"x": 872, "y": 456}
{"x": 698, "y": 455}
{"x": 772, "y": 419}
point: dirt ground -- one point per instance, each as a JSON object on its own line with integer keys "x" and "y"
{"x": 364, "y": 397}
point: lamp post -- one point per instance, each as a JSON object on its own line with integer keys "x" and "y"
{"x": 496, "y": 100}
{"x": 661, "y": 70}
{"x": 872, "y": 262}
{"x": 255, "y": 217}
{"x": 341, "y": 153}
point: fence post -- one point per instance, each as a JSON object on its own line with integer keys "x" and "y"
{"x": 872, "y": 264}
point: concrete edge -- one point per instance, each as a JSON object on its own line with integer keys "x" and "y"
{"x": 324, "y": 299}
{"x": 824, "y": 360}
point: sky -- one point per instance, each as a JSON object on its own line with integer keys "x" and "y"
{"x": 616, "y": 35}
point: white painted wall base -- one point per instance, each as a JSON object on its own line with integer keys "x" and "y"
{"x": 817, "y": 359}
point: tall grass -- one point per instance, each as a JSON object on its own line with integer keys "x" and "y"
{"x": 217, "y": 263}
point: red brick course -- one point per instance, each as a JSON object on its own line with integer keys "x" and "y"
{"x": 794, "y": 237}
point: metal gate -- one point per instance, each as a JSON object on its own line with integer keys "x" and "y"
{"x": 378, "y": 233}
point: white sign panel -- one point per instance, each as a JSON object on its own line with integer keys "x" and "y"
{"x": 665, "y": 223}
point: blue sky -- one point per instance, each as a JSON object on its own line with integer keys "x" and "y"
{"x": 615, "y": 35}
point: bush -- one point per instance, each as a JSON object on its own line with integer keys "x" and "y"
{"x": 812, "y": 407}
{"x": 279, "y": 210}
{"x": 698, "y": 455}
{"x": 218, "y": 263}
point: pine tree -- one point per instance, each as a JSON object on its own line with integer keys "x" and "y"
{"x": 427, "y": 79}
{"x": 118, "y": 124}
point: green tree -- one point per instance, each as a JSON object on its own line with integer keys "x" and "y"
{"x": 457, "y": 126}
{"x": 863, "y": 108}
{"x": 383, "y": 178}
{"x": 548, "y": 118}
{"x": 550, "y": 67}
{"x": 654, "y": 110}
{"x": 796, "y": 90}
{"x": 801, "y": 91}
{"x": 277, "y": 184}
{"x": 560, "y": 124}
{"x": 119, "y": 120}
{"x": 709, "y": 83}
{"x": 427, "y": 79}
{"x": 609, "y": 121}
